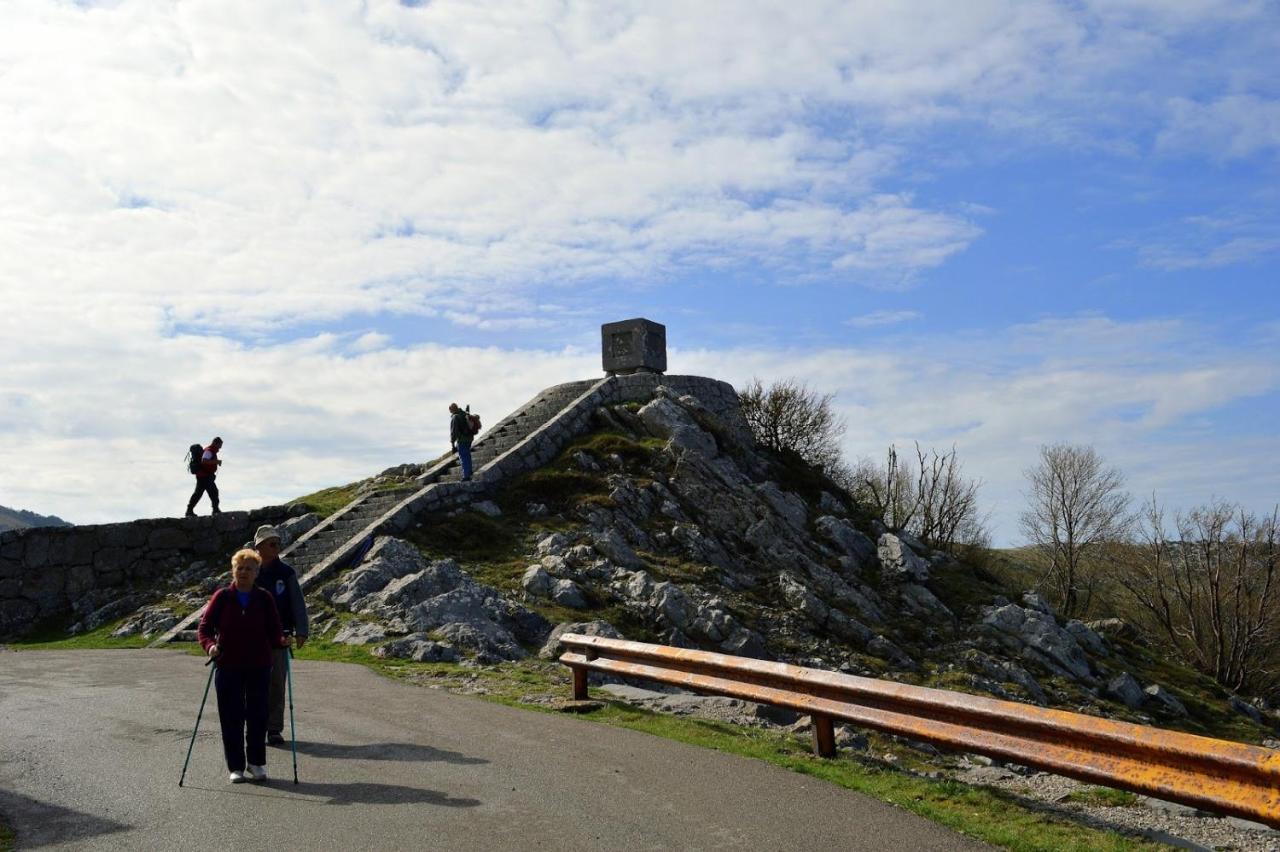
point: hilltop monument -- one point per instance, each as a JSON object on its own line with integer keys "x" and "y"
{"x": 633, "y": 346}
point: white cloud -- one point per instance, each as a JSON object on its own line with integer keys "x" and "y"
{"x": 1207, "y": 242}
{"x": 879, "y": 318}
{"x": 1145, "y": 394}
{"x": 184, "y": 186}
{"x": 1232, "y": 126}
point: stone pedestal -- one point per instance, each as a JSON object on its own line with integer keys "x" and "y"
{"x": 634, "y": 346}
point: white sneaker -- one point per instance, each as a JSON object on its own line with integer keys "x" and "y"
{"x": 256, "y": 773}
{"x": 239, "y": 777}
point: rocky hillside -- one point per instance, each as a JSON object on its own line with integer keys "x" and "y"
{"x": 667, "y": 524}
{"x": 18, "y": 519}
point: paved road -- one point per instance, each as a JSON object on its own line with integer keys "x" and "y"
{"x": 92, "y": 742}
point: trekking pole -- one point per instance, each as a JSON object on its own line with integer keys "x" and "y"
{"x": 293, "y": 731}
{"x": 197, "y": 727}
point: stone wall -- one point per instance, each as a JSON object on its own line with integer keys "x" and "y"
{"x": 49, "y": 573}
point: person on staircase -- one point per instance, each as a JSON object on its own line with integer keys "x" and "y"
{"x": 206, "y": 479}
{"x": 460, "y": 436}
{"x": 279, "y": 578}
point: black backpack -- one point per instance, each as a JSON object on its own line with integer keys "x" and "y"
{"x": 195, "y": 453}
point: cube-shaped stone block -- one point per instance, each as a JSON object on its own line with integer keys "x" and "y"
{"x": 634, "y": 346}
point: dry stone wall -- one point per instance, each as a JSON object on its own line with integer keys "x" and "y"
{"x": 58, "y": 572}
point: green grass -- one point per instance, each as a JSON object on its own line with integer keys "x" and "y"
{"x": 53, "y": 637}
{"x": 324, "y": 503}
{"x": 7, "y": 840}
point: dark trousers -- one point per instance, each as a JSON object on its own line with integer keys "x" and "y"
{"x": 464, "y": 455}
{"x": 242, "y": 711}
{"x": 203, "y": 484}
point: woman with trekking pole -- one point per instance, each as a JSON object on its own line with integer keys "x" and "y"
{"x": 238, "y": 630}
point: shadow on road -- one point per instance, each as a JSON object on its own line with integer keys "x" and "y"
{"x": 39, "y": 824}
{"x": 369, "y": 793}
{"x": 385, "y": 751}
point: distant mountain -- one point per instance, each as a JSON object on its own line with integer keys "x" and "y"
{"x": 16, "y": 519}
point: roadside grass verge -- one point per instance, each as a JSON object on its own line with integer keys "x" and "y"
{"x": 53, "y": 637}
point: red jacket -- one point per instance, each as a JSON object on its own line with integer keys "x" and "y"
{"x": 244, "y": 636}
{"x": 208, "y": 467}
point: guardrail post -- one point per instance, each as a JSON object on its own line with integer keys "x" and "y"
{"x": 579, "y": 684}
{"x": 824, "y": 736}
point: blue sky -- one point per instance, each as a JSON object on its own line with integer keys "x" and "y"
{"x": 308, "y": 227}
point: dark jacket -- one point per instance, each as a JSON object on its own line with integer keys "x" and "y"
{"x": 281, "y": 581}
{"x": 460, "y": 429}
{"x": 245, "y": 636}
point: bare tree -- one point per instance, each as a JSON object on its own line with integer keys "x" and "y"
{"x": 888, "y": 491}
{"x": 1212, "y": 590}
{"x": 788, "y": 416}
{"x": 931, "y": 499}
{"x": 1076, "y": 507}
{"x": 948, "y": 501}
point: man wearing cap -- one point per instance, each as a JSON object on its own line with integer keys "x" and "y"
{"x": 282, "y": 582}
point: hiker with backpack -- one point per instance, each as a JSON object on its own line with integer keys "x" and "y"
{"x": 204, "y": 463}
{"x": 239, "y": 630}
{"x": 463, "y": 426}
{"x": 279, "y": 578}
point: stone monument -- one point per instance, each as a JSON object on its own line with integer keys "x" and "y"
{"x": 634, "y": 346}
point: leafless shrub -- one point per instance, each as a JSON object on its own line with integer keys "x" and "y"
{"x": 1211, "y": 590}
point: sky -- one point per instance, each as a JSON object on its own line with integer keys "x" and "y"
{"x": 308, "y": 227}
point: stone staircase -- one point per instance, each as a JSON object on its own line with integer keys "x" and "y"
{"x": 342, "y": 538}
{"x": 506, "y": 434}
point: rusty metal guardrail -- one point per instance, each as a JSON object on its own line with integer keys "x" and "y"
{"x": 1219, "y": 775}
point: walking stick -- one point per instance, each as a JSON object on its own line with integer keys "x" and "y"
{"x": 293, "y": 731}
{"x": 197, "y": 727}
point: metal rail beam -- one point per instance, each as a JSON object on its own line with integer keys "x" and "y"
{"x": 1219, "y": 775}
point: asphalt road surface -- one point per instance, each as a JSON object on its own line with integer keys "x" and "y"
{"x": 92, "y": 743}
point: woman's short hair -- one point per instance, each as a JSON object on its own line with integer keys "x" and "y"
{"x": 246, "y": 555}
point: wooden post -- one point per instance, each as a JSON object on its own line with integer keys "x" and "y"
{"x": 579, "y": 684}
{"x": 824, "y": 736}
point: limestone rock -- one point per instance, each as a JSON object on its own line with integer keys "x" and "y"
{"x": 788, "y": 505}
{"x": 553, "y": 545}
{"x": 1087, "y": 639}
{"x": 1039, "y": 633}
{"x": 419, "y": 648}
{"x": 898, "y": 562}
{"x": 881, "y": 647}
{"x": 567, "y": 593}
{"x": 850, "y": 541}
{"x": 536, "y": 581}
{"x": 552, "y": 649}
{"x": 611, "y": 545}
{"x": 487, "y": 507}
{"x": 490, "y": 642}
{"x": 360, "y": 633}
{"x": 147, "y": 621}
{"x": 1160, "y": 700}
{"x": 1125, "y": 688}
{"x": 1244, "y": 708}
{"x": 1113, "y": 627}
